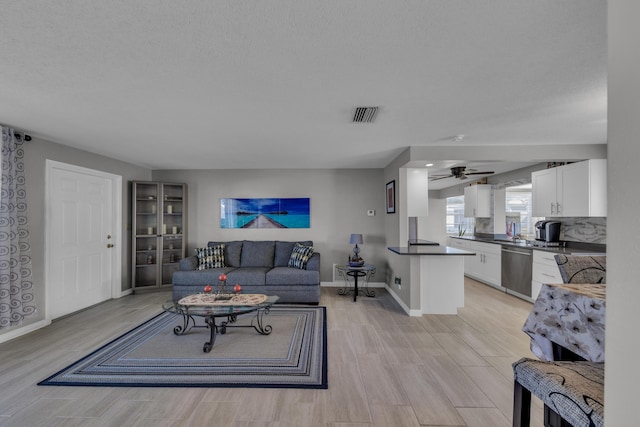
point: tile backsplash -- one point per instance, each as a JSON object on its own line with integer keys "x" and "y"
{"x": 583, "y": 230}
{"x": 576, "y": 229}
{"x": 587, "y": 230}
{"x": 485, "y": 226}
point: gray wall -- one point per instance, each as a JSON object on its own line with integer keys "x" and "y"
{"x": 623, "y": 252}
{"x": 398, "y": 265}
{"x": 340, "y": 199}
{"x": 339, "y": 203}
{"x": 36, "y": 152}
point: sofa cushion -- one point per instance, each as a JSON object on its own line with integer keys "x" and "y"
{"x": 314, "y": 262}
{"x": 248, "y": 276}
{"x": 292, "y": 276}
{"x": 257, "y": 254}
{"x": 232, "y": 252}
{"x": 200, "y": 277}
{"x": 283, "y": 252}
{"x": 300, "y": 255}
{"x": 189, "y": 263}
{"x": 210, "y": 257}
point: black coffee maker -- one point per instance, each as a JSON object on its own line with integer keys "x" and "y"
{"x": 548, "y": 231}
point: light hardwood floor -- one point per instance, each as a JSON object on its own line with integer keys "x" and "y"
{"x": 385, "y": 369}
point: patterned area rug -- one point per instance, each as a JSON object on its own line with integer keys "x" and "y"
{"x": 294, "y": 355}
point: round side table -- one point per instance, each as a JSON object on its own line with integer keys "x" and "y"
{"x": 364, "y": 274}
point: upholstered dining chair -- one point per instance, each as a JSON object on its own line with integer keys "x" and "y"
{"x": 582, "y": 269}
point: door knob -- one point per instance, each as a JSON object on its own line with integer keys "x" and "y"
{"x": 109, "y": 245}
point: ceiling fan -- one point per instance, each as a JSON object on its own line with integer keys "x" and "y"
{"x": 460, "y": 172}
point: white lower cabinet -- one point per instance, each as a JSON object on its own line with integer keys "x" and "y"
{"x": 486, "y": 265}
{"x": 545, "y": 271}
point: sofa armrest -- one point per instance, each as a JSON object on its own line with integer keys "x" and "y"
{"x": 314, "y": 262}
{"x": 189, "y": 263}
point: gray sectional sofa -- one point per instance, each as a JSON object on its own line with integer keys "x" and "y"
{"x": 259, "y": 267}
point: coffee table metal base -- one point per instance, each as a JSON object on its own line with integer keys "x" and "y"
{"x": 257, "y": 323}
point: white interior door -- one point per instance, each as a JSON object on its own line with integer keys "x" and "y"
{"x": 83, "y": 234}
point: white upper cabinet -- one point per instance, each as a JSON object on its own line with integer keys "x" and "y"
{"x": 577, "y": 189}
{"x": 582, "y": 187}
{"x": 477, "y": 201}
{"x": 544, "y": 192}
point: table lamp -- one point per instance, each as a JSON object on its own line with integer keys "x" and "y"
{"x": 355, "y": 260}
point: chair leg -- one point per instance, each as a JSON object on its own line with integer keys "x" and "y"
{"x": 521, "y": 405}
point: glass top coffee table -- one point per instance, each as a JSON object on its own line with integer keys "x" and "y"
{"x": 211, "y": 307}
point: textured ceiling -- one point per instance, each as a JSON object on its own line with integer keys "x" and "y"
{"x": 273, "y": 84}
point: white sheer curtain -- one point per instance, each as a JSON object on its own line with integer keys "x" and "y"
{"x": 16, "y": 284}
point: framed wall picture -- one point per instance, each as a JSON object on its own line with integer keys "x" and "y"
{"x": 265, "y": 213}
{"x": 391, "y": 197}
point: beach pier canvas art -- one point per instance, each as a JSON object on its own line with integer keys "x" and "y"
{"x": 265, "y": 213}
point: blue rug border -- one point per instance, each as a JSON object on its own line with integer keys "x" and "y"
{"x": 324, "y": 385}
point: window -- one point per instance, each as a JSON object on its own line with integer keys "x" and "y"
{"x": 456, "y": 218}
{"x": 519, "y": 200}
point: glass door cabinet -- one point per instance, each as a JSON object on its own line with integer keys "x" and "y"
{"x": 159, "y": 226}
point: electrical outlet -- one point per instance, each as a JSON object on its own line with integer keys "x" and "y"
{"x": 399, "y": 287}
{"x": 371, "y": 212}
{"x": 398, "y": 281}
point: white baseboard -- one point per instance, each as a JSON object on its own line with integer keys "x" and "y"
{"x": 412, "y": 313}
{"x": 340, "y": 284}
{"x": 23, "y": 330}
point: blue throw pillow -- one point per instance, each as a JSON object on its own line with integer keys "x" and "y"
{"x": 210, "y": 257}
{"x": 300, "y": 255}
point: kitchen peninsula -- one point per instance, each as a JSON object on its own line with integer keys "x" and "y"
{"x": 440, "y": 272}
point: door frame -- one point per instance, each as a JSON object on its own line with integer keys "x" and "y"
{"x": 116, "y": 206}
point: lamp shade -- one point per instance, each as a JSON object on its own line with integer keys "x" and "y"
{"x": 356, "y": 239}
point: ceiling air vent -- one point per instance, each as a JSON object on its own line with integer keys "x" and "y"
{"x": 365, "y": 114}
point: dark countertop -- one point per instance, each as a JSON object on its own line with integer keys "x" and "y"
{"x": 428, "y": 250}
{"x": 422, "y": 242}
{"x": 585, "y": 249}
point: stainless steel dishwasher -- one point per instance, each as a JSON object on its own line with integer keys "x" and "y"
{"x": 516, "y": 270}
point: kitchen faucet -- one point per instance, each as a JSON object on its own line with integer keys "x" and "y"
{"x": 512, "y": 229}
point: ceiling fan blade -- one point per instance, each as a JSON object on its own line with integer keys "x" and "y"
{"x": 479, "y": 173}
{"x": 435, "y": 178}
